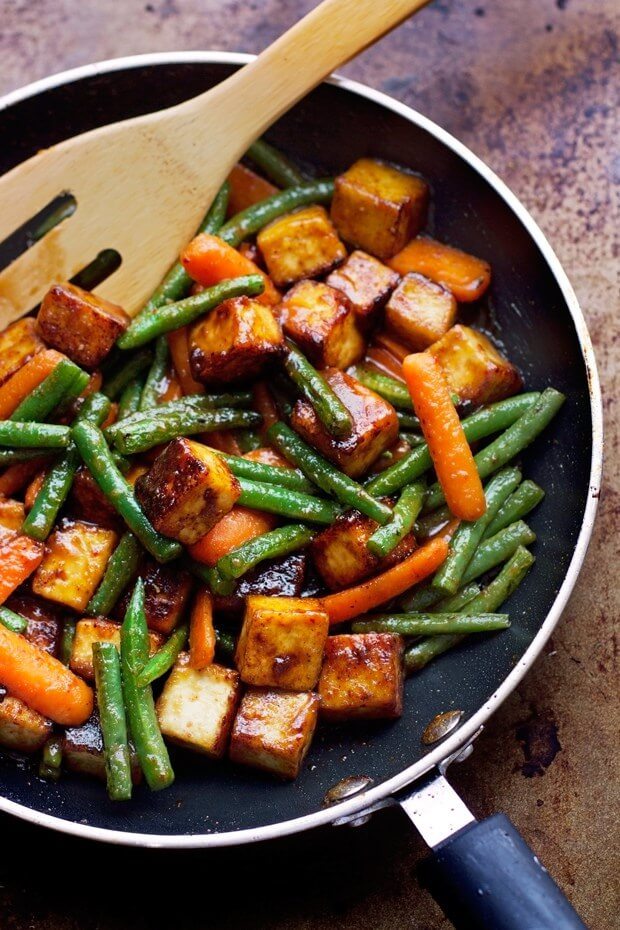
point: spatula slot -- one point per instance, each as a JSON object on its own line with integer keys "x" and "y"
{"x": 37, "y": 227}
{"x": 97, "y": 271}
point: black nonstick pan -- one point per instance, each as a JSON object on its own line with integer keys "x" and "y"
{"x": 533, "y": 312}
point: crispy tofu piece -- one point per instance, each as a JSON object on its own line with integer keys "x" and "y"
{"x": 342, "y": 557}
{"x": 21, "y": 728}
{"x": 303, "y": 244}
{"x": 282, "y": 577}
{"x": 281, "y": 642}
{"x": 45, "y": 621}
{"x": 362, "y": 676}
{"x": 82, "y": 750}
{"x": 273, "y": 730}
{"x": 12, "y": 514}
{"x": 197, "y": 708}
{"x": 18, "y": 343}
{"x": 366, "y": 282}
{"x": 420, "y": 312}
{"x": 378, "y": 208}
{"x": 236, "y": 341}
{"x": 187, "y": 489}
{"x": 474, "y": 368}
{"x": 99, "y": 630}
{"x": 80, "y": 324}
{"x": 466, "y": 276}
{"x": 89, "y": 503}
{"x": 76, "y": 556}
{"x": 321, "y": 321}
{"x": 166, "y": 592}
{"x": 375, "y": 425}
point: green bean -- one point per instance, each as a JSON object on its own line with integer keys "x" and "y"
{"x": 66, "y": 379}
{"x": 107, "y": 666}
{"x": 225, "y": 644}
{"x": 516, "y": 438}
{"x": 161, "y": 427}
{"x": 11, "y": 456}
{"x": 62, "y": 211}
{"x": 268, "y": 474}
{"x": 129, "y": 400}
{"x": 142, "y": 718}
{"x": 496, "y": 549}
{"x": 404, "y": 514}
{"x": 98, "y": 459}
{"x": 421, "y": 598}
{"x": 414, "y": 439}
{"x": 120, "y": 569}
{"x": 274, "y": 164}
{"x": 33, "y": 435}
{"x": 212, "y": 577}
{"x": 325, "y": 475}
{"x": 155, "y": 383}
{"x": 171, "y": 316}
{"x": 126, "y": 371}
{"x": 182, "y": 405}
{"x": 480, "y": 424}
{"x": 407, "y": 421}
{"x": 66, "y": 640}
{"x": 328, "y": 407}
{"x": 434, "y": 624}
{"x": 454, "y": 603}
{"x": 252, "y": 219}
{"x": 164, "y": 658}
{"x": 433, "y": 522}
{"x": 249, "y": 440}
{"x": 12, "y": 621}
{"x": 278, "y": 542}
{"x": 101, "y": 267}
{"x": 286, "y": 503}
{"x": 387, "y": 387}
{"x": 51, "y": 759}
{"x": 467, "y": 536}
{"x": 518, "y": 505}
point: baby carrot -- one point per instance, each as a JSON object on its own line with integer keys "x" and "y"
{"x": 19, "y": 557}
{"x": 209, "y": 260}
{"x": 201, "y": 631}
{"x": 179, "y": 351}
{"x": 235, "y": 528}
{"x": 25, "y": 380}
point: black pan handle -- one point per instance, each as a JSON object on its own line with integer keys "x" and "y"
{"x": 485, "y": 877}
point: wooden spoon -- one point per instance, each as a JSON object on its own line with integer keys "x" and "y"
{"x": 143, "y": 185}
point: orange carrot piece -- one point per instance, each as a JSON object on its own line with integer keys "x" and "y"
{"x": 268, "y": 457}
{"x": 42, "y": 682}
{"x": 350, "y": 603}
{"x": 178, "y": 344}
{"x": 385, "y": 362}
{"x": 94, "y": 384}
{"x": 209, "y": 260}
{"x": 264, "y": 404}
{"x": 201, "y": 631}
{"x": 172, "y": 389}
{"x": 465, "y": 275}
{"x": 19, "y": 557}
{"x": 395, "y": 348}
{"x": 246, "y": 189}
{"x": 26, "y": 379}
{"x": 12, "y": 515}
{"x": 449, "y": 449}
{"x": 238, "y": 526}
{"x": 33, "y": 489}
{"x": 15, "y": 477}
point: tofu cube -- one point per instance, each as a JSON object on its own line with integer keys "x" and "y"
{"x": 82, "y": 751}
{"x": 284, "y": 577}
{"x": 321, "y": 321}
{"x": 12, "y": 514}
{"x": 474, "y": 368}
{"x": 187, "y": 489}
{"x": 303, "y": 244}
{"x": 341, "y": 556}
{"x": 420, "y": 312}
{"x": 197, "y": 708}
{"x": 80, "y": 324}
{"x": 89, "y": 503}
{"x": 45, "y": 621}
{"x": 166, "y": 592}
{"x": 281, "y": 642}
{"x": 366, "y": 282}
{"x": 21, "y": 728}
{"x": 273, "y": 730}
{"x": 234, "y": 342}
{"x": 18, "y": 343}
{"x": 362, "y": 676}
{"x": 378, "y": 208}
{"x": 375, "y": 425}
{"x": 99, "y": 630}
{"x": 76, "y": 556}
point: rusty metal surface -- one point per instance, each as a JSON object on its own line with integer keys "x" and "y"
{"x": 532, "y": 88}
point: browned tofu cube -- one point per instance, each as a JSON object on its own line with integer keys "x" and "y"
{"x": 300, "y": 245}
{"x": 80, "y": 324}
{"x": 342, "y": 557}
{"x": 366, "y": 282}
{"x": 187, "y": 490}
{"x": 378, "y": 208}
{"x": 321, "y": 321}
{"x": 22, "y": 729}
{"x": 420, "y": 312}
{"x": 88, "y": 502}
{"x": 273, "y": 730}
{"x": 12, "y": 514}
{"x": 196, "y": 709}
{"x": 362, "y": 676}
{"x": 18, "y": 343}
{"x": 99, "y": 630}
{"x": 375, "y": 425}
{"x": 281, "y": 642}
{"x": 282, "y": 577}
{"x": 45, "y": 621}
{"x": 166, "y": 592}
{"x": 474, "y": 368}
{"x": 234, "y": 342}
{"x": 82, "y": 750}
{"x": 76, "y": 556}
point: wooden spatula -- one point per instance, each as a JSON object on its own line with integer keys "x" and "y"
{"x": 143, "y": 185}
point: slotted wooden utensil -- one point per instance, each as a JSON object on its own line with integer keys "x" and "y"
{"x": 143, "y": 185}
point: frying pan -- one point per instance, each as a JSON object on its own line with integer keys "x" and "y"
{"x": 531, "y": 311}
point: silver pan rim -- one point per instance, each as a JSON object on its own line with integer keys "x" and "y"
{"x": 471, "y": 726}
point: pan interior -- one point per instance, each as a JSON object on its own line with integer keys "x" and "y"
{"x": 526, "y": 313}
